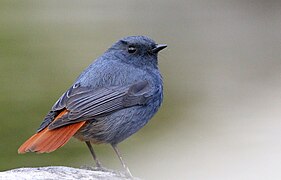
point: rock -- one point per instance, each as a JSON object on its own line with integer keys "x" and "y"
{"x": 60, "y": 172}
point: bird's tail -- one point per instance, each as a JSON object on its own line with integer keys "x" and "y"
{"x": 49, "y": 140}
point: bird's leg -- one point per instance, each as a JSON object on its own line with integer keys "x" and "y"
{"x": 98, "y": 164}
{"x": 114, "y": 146}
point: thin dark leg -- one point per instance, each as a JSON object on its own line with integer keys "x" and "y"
{"x": 114, "y": 146}
{"x": 98, "y": 164}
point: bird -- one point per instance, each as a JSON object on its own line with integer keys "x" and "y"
{"x": 113, "y": 98}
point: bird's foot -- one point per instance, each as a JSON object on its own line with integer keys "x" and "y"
{"x": 96, "y": 168}
{"x": 125, "y": 173}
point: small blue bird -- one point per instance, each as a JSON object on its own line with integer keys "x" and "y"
{"x": 111, "y": 100}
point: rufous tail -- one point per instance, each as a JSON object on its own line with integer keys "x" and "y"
{"x": 50, "y": 140}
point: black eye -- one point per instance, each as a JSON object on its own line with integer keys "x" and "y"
{"x": 132, "y": 49}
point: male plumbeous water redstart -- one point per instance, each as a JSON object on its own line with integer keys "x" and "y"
{"x": 111, "y": 100}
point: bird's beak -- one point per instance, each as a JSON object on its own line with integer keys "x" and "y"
{"x": 159, "y": 47}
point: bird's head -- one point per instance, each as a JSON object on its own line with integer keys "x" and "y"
{"x": 140, "y": 51}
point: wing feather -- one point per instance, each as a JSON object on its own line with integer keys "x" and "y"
{"x": 84, "y": 103}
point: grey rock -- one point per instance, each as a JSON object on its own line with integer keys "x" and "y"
{"x": 60, "y": 172}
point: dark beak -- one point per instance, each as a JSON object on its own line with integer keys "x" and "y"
{"x": 159, "y": 47}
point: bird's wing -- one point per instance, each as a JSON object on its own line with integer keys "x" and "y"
{"x": 84, "y": 103}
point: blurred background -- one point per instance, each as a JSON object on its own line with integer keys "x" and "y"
{"x": 222, "y": 73}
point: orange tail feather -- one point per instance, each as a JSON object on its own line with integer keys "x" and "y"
{"x": 50, "y": 140}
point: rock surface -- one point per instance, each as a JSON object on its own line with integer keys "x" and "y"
{"x": 60, "y": 172}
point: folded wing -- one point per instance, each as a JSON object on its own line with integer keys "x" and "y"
{"x": 84, "y": 103}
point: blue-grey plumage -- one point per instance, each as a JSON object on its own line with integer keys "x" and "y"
{"x": 117, "y": 67}
{"x": 116, "y": 70}
{"x": 112, "y": 98}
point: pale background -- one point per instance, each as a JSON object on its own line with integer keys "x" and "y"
{"x": 222, "y": 72}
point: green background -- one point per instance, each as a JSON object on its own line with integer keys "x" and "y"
{"x": 221, "y": 113}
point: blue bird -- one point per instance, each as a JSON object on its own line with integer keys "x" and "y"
{"x": 111, "y": 100}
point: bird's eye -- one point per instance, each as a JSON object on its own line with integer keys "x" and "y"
{"x": 132, "y": 49}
